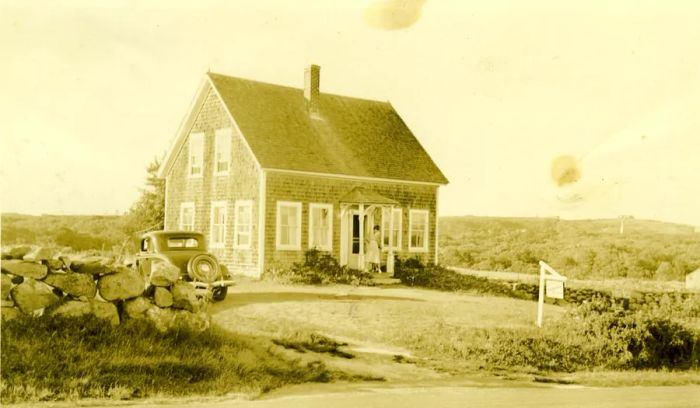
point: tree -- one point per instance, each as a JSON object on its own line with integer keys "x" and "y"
{"x": 148, "y": 212}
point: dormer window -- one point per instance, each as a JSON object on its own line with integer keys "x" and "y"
{"x": 222, "y": 151}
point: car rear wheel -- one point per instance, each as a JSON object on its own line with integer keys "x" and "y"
{"x": 218, "y": 294}
{"x": 203, "y": 268}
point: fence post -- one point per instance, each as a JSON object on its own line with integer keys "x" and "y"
{"x": 540, "y": 299}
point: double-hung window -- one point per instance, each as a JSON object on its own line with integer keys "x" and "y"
{"x": 218, "y": 224}
{"x": 321, "y": 226}
{"x": 288, "y": 225}
{"x": 418, "y": 230}
{"x": 222, "y": 151}
{"x": 243, "y": 225}
{"x": 195, "y": 166}
{"x": 390, "y": 229}
{"x": 187, "y": 216}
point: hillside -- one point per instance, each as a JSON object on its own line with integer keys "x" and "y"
{"x": 80, "y": 232}
{"x": 584, "y": 248}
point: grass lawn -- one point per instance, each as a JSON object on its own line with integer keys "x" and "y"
{"x": 442, "y": 332}
{"x": 426, "y": 324}
{"x": 68, "y": 359}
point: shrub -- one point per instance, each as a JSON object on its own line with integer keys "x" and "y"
{"x": 597, "y": 335}
{"x": 321, "y": 268}
{"x": 412, "y": 272}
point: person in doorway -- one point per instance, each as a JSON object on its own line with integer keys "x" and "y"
{"x": 373, "y": 250}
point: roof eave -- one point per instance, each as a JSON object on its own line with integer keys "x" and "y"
{"x": 183, "y": 129}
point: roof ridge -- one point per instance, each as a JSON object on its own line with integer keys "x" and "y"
{"x": 296, "y": 88}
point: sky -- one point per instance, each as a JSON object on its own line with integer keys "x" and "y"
{"x": 496, "y": 91}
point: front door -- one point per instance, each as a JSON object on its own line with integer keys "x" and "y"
{"x": 353, "y": 240}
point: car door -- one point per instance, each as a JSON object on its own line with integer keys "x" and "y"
{"x": 144, "y": 260}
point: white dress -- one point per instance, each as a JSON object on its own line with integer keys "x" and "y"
{"x": 373, "y": 249}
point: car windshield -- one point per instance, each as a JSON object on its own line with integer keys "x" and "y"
{"x": 183, "y": 242}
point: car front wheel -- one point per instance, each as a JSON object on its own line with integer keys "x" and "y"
{"x": 219, "y": 293}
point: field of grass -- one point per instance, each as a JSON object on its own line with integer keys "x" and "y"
{"x": 69, "y": 359}
{"x": 425, "y": 322}
{"x": 582, "y": 249}
{"x": 458, "y": 333}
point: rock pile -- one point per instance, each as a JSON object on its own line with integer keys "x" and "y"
{"x": 39, "y": 281}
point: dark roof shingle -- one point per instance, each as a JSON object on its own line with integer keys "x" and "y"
{"x": 350, "y": 136}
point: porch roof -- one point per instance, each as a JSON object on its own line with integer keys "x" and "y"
{"x": 359, "y": 195}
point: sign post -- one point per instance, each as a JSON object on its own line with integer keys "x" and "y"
{"x": 551, "y": 285}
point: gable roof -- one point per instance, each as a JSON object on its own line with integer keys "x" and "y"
{"x": 359, "y": 195}
{"x": 349, "y": 136}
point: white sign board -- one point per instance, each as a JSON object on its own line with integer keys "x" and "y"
{"x": 554, "y": 283}
{"x": 554, "y": 288}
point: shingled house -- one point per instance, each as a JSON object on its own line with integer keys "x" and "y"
{"x": 268, "y": 172}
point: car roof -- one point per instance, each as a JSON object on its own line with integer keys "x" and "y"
{"x": 167, "y": 234}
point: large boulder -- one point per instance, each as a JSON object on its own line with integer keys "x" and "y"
{"x": 161, "y": 318}
{"x": 66, "y": 262}
{"x": 193, "y": 321}
{"x": 74, "y": 284}
{"x": 17, "y": 252}
{"x": 94, "y": 265}
{"x": 164, "y": 274}
{"x": 105, "y": 311}
{"x": 5, "y": 286}
{"x": 9, "y": 313}
{"x": 124, "y": 284}
{"x": 33, "y": 295}
{"x": 165, "y": 319}
{"x": 185, "y": 297}
{"x": 72, "y": 308}
{"x": 137, "y": 307}
{"x": 55, "y": 265}
{"x": 26, "y": 269}
{"x": 40, "y": 254}
{"x": 163, "y": 297}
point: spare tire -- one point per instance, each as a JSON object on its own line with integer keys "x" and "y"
{"x": 203, "y": 268}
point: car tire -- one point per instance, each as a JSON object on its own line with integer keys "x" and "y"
{"x": 219, "y": 293}
{"x": 203, "y": 268}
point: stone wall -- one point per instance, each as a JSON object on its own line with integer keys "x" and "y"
{"x": 39, "y": 281}
{"x": 637, "y": 300}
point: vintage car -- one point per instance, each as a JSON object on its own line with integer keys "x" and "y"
{"x": 188, "y": 251}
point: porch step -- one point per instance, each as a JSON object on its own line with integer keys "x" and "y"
{"x": 384, "y": 279}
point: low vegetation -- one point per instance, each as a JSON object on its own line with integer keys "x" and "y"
{"x": 317, "y": 343}
{"x": 413, "y": 272}
{"x": 78, "y": 232}
{"x": 582, "y": 249}
{"x": 320, "y": 268}
{"x": 72, "y": 358}
{"x": 596, "y": 335}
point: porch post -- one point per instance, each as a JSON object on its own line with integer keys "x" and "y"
{"x": 343, "y": 234}
{"x": 361, "y": 255}
{"x": 390, "y": 252}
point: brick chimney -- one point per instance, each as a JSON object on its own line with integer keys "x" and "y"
{"x": 312, "y": 80}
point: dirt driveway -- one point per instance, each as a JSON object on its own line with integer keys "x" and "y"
{"x": 387, "y": 329}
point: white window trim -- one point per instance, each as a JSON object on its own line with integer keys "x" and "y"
{"x": 217, "y": 204}
{"x": 329, "y": 207}
{"x": 228, "y": 133}
{"x": 183, "y": 206}
{"x": 201, "y": 156}
{"x": 426, "y": 239}
{"x": 397, "y": 244}
{"x": 239, "y": 204}
{"x": 297, "y": 246}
